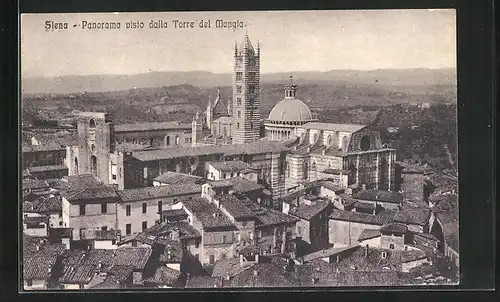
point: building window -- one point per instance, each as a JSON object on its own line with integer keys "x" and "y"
{"x": 211, "y": 259}
{"x": 128, "y": 229}
{"x": 104, "y": 228}
{"x": 224, "y": 239}
{"x": 238, "y": 101}
{"x": 144, "y": 208}
{"x": 244, "y": 223}
{"x": 251, "y": 88}
{"x": 82, "y": 210}
{"x": 160, "y": 205}
{"x": 175, "y": 200}
{"x": 223, "y": 175}
{"x": 91, "y": 123}
{"x": 104, "y": 208}
{"x": 144, "y": 225}
{"x": 391, "y": 246}
{"x": 134, "y": 243}
{"x": 251, "y": 76}
{"x": 177, "y": 140}
{"x": 239, "y": 76}
{"x": 196, "y": 243}
{"x": 113, "y": 171}
{"x": 239, "y": 114}
{"x": 127, "y": 210}
{"x": 238, "y": 89}
{"x": 237, "y": 125}
{"x": 29, "y": 283}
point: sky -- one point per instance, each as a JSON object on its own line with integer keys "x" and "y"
{"x": 289, "y": 41}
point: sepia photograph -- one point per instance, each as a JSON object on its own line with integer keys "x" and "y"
{"x": 239, "y": 149}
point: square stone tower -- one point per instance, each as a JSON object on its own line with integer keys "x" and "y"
{"x": 246, "y": 87}
{"x": 95, "y": 143}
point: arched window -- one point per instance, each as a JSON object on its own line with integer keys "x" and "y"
{"x": 177, "y": 140}
{"x": 167, "y": 140}
{"x": 92, "y": 147}
{"x": 313, "y": 166}
{"x": 92, "y": 123}
{"x": 344, "y": 143}
{"x": 239, "y": 113}
{"x": 238, "y": 125}
{"x": 364, "y": 144}
{"x": 93, "y": 165}
{"x": 391, "y": 246}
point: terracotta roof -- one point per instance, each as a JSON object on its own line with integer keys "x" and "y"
{"x": 412, "y": 255}
{"x": 328, "y": 252}
{"x": 136, "y": 257}
{"x": 164, "y": 276}
{"x": 378, "y": 219}
{"x": 207, "y": 213}
{"x": 239, "y": 184}
{"x": 43, "y": 147}
{"x": 418, "y": 216}
{"x": 394, "y": 228}
{"x": 235, "y": 207}
{"x": 34, "y": 184}
{"x": 264, "y": 275}
{"x": 204, "y": 282}
{"x": 133, "y": 127}
{"x": 231, "y": 166}
{"x": 335, "y": 127}
{"x": 44, "y": 247}
{"x": 231, "y": 267}
{"x": 382, "y": 196}
{"x": 266, "y": 216}
{"x": 47, "y": 168}
{"x": 87, "y": 187}
{"x": 307, "y": 212}
{"x": 176, "y": 178}
{"x": 368, "y": 234}
{"x": 186, "y": 231}
{"x": 43, "y": 205}
{"x": 38, "y": 267}
{"x": 78, "y": 274}
{"x": 258, "y": 147}
{"x": 130, "y": 147}
{"x": 173, "y": 213}
{"x": 130, "y": 195}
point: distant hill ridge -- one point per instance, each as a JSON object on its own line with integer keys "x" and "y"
{"x": 203, "y": 79}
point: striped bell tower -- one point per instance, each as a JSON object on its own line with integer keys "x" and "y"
{"x": 246, "y": 87}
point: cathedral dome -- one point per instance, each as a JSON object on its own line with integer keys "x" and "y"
{"x": 290, "y": 110}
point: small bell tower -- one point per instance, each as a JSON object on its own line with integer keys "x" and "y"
{"x": 196, "y": 129}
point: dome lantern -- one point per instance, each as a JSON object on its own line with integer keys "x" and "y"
{"x": 290, "y": 89}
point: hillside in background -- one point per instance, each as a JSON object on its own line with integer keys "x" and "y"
{"x": 406, "y": 78}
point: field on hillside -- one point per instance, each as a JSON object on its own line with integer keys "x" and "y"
{"x": 182, "y": 101}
